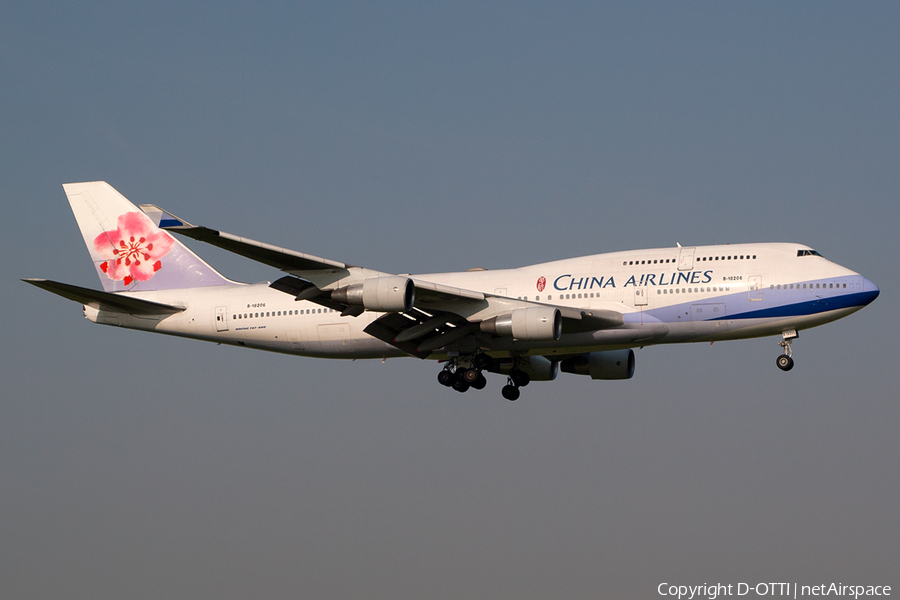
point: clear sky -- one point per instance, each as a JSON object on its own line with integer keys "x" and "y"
{"x": 408, "y": 137}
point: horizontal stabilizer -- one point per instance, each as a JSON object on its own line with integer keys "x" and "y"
{"x": 274, "y": 256}
{"x": 105, "y": 300}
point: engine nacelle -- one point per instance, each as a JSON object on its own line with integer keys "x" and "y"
{"x": 533, "y": 324}
{"x": 538, "y": 368}
{"x": 609, "y": 364}
{"x": 380, "y": 294}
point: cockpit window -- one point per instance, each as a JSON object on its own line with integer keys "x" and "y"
{"x": 808, "y": 253}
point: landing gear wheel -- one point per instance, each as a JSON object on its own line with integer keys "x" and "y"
{"x": 510, "y": 392}
{"x": 785, "y": 362}
{"x": 445, "y": 377}
{"x": 479, "y": 383}
{"x": 460, "y": 386}
{"x": 519, "y": 377}
{"x": 470, "y": 376}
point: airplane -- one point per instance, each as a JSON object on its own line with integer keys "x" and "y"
{"x": 582, "y": 315}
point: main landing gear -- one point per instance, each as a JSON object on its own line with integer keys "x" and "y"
{"x": 785, "y": 362}
{"x": 461, "y": 375}
{"x": 464, "y": 372}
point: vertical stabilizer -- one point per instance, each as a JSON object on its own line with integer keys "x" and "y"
{"x": 128, "y": 250}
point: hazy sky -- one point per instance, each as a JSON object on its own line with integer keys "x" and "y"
{"x": 416, "y": 138}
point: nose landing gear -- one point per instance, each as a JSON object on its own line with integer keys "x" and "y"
{"x": 785, "y": 362}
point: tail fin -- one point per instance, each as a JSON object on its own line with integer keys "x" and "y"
{"x": 129, "y": 251}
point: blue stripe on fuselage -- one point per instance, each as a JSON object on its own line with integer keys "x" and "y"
{"x": 810, "y": 307}
{"x": 738, "y": 304}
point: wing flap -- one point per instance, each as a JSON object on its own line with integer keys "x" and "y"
{"x": 388, "y": 326}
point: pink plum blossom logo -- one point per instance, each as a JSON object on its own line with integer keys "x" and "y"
{"x": 132, "y": 251}
{"x": 541, "y": 283}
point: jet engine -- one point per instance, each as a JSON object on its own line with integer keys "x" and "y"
{"x": 609, "y": 364}
{"x": 380, "y": 294}
{"x": 533, "y": 324}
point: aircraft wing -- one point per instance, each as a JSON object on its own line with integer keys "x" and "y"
{"x": 105, "y": 300}
{"x": 280, "y": 258}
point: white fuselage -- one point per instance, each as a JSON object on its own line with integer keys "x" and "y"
{"x": 667, "y": 295}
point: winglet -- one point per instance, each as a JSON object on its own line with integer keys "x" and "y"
{"x": 164, "y": 219}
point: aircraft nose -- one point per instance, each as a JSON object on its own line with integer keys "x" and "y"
{"x": 870, "y": 290}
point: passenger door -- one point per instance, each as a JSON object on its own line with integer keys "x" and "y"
{"x": 221, "y": 318}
